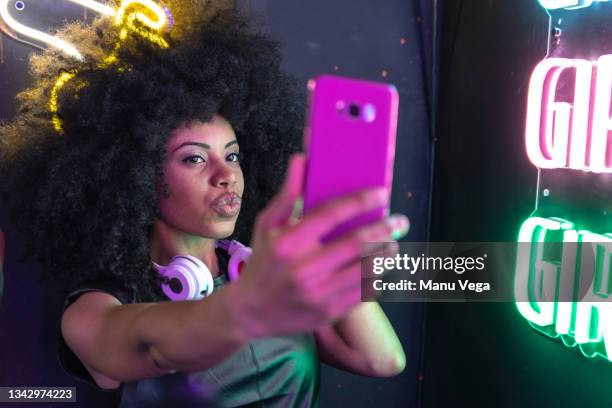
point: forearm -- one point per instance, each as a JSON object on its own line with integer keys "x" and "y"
{"x": 366, "y": 330}
{"x": 189, "y": 336}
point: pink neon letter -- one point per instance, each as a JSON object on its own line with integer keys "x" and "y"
{"x": 601, "y": 149}
{"x": 547, "y": 132}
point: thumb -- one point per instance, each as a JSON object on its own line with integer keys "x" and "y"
{"x": 280, "y": 211}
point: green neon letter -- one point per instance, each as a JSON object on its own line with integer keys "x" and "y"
{"x": 535, "y": 279}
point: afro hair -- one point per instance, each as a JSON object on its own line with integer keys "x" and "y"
{"x": 84, "y": 199}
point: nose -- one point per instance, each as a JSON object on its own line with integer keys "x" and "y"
{"x": 224, "y": 176}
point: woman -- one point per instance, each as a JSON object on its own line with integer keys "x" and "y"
{"x": 162, "y": 152}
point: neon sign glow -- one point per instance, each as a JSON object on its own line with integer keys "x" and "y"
{"x": 119, "y": 15}
{"x": 567, "y": 4}
{"x": 587, "y": 323}
{"x": 566, "y": 293}
{"x": 572, "y": 135}
{"x": 126, "y": 21}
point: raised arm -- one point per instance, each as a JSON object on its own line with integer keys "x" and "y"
{"x": 119, "y": 343}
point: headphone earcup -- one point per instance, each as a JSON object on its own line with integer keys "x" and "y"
{"x": 188, "y": 278}
{"x": 238, "y": 259}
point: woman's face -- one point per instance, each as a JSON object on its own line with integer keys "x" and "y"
{"x": 203, "y": 185}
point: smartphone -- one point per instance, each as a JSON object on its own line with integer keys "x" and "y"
{"x": 349, "y": 141}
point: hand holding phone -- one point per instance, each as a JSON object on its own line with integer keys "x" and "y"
{"x": 293, "y": 282}
{"x": 350, "y": 143}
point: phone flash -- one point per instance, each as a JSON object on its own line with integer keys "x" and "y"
{"x": 369, "y": 113}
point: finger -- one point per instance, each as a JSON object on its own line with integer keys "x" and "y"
{"x": 357, "y": 274}
{"x": 278, "y": 212}
{"x": 354, "y": 245}
{"x": 345, "y": 279}
{"x": 365, "y": 286}
{"x": 326, "y": 216}
{"x": 366, "y": 290}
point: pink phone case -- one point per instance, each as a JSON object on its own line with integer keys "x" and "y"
{"x": 349, "y": 150}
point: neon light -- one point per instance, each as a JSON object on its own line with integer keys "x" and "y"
{"x": 160, "y": 14}
{"x": 557, "y": 4}
{"x": 121, "y": 19}
{"x": 557, "y": 132}
{"x": 169, "y": 15}
{"x": 126, "y": 21}
{"x": 548, "y": 122}
{"x": 154, "y": 38}
{"x": 567, "y": 4}
{"x": 567, "y": 286}
{"x": 119, "y": 15}
{"x": 53, "y": 105}
{"x": 531, "y": 270}
{"x": 601, "y": 150}
{"x": 587, "y": 322}
{"x": 35, "y": 34}
{"x": 96, "y": 6}
{"x": 568, "y": 134}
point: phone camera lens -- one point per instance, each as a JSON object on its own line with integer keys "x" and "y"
{"x": 354, "y": 110}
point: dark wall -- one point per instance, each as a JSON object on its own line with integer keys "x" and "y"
{"x": 387, "y": 41}
{"x": 483, "y": 355}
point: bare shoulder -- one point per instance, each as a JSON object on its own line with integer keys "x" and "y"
{"x": 82, "y": 322}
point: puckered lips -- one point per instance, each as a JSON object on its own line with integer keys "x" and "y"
{"x": 227, "y": 204}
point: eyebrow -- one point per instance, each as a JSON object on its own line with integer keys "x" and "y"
{"x": 203, "y": 145}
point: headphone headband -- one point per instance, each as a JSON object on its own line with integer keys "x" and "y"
{"x": 188, "y": 278}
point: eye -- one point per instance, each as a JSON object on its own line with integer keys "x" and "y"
{"x": 193, "y": 159}
{"x": 238, "y": 157}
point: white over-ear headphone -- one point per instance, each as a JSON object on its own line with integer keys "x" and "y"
{"x": 188, "y": 278}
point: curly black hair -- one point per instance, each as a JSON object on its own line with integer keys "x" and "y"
{"x": 84, "y": 200}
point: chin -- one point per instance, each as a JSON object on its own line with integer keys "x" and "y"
{"x": 219, "y": 232}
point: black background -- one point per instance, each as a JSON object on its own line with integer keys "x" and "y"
{"x": 482, "y": 355}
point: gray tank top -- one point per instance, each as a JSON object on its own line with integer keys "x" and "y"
{"x": 279, "y": 371}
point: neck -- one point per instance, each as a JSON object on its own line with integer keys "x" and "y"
{"x": 167, "y": 242}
